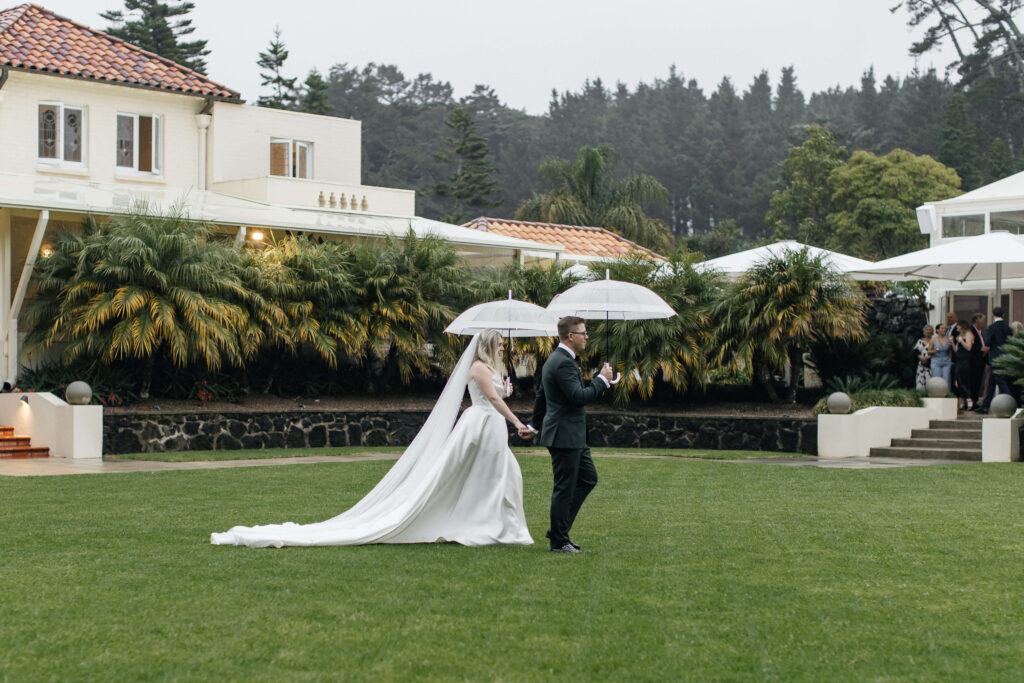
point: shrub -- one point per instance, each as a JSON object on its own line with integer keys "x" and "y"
{"x": 909, "y": 398}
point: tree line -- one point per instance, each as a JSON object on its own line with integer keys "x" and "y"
{"x": 704, "y": 165}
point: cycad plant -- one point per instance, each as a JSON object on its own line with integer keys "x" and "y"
{"x": 142, "y": 287}
{"x": 775, "y": 313}
{"x": 404, "y": 302}
{"x": 1011, "y": 359}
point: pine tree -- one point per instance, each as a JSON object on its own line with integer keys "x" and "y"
{"x": 314, "y": 95}
{"x": 998, "y": 162}
{"x": 148, "y": 24}
{"x": 471, "y": 185}
{"x": 272, "y": 62}
{"x": 959, "y": 142}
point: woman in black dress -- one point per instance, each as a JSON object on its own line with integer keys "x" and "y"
{"x": 962, "y": 344}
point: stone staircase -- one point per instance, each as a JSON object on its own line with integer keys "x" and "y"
{"x": 12, "y": 446}
{"x": 958, "y": 439}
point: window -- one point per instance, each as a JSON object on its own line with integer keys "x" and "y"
{"x": 61, "y": 133}
{"x": 1010, "y": 221}
{"x": 291, "y": 158}
{"x": 138, "y": 142}
{"x": 963, "y": 226}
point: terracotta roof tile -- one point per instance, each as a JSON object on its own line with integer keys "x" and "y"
{"x": 576, "y": 240}
{"x": 35, "y": 39}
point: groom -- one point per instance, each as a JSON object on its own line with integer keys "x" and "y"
{"x": 559, "y": 411}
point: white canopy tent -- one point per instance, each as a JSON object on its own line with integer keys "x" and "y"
{"x": 735, "y": 265}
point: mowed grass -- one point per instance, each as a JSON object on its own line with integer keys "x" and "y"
{"x": 267, "y": 453}
{"x": 692, "y": 570}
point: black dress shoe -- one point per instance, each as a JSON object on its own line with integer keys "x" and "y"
{"x": 567, "y": 548}
{"x": 981, "y": 411}
{"x": 547, "y": 535}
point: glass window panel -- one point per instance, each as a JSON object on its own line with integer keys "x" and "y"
{"x": 157, "y": 147}
{"x": 146, "y": 144}
{"x": 279, "y": 157}
{"x": 963, "y": 226}
{"x": 47, "y": 131}
{"x": 72, "y": 134}
{"x": 126, "y": 141}
{"x": 302, "y": 151}
{"x": 1010, "y": 221}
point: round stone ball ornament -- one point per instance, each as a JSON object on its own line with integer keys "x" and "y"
{"x": 1003, "y": 405}
{"x": 78, "y": 393}
{"x": 936, "y": 387}
{"x": 838, "y": 403}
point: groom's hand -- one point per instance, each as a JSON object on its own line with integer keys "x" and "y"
{"x": 606, "y": 372}
{"x": 526, "y": 432}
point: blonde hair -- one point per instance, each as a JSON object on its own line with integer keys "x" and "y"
{"x": 487, "y": 350}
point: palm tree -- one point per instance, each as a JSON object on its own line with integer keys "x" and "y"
{"x": 776, "y": 312}
{"x": 142, "y": 287}
{"x": 588, "y": 192}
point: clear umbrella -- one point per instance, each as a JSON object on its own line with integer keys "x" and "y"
{"x": 512, "y": 317}
{"x": 609, "y": 300}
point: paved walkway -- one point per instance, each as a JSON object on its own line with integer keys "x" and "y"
{"x": 41, "y": 467}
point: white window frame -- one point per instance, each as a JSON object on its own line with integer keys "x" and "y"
{"x": 59, "y": 159}
{"x": 293, "y": 147}
{"x": 157, "y": 143}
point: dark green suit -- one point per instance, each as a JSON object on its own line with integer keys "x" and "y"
{"x": 559, "y": 412}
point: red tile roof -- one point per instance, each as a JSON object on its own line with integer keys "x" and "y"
{"x": 33, "y": 38}
{"x": 576, "y": 240}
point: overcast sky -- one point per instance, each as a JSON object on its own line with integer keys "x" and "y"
{"x": 524, "y": 49}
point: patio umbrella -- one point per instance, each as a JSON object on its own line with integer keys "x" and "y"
{"x": 609, "y": 300}
{"x": 991, "y": 256}
{"x": 513, "y": 317}
{"x": 735, "y": 265}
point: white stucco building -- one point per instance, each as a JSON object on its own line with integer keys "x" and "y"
{"x": 91, "y": 125}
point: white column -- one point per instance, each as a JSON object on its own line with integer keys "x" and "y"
{"x": 19, "y": 295}
{"x": 5, "y": 288}
{"x": 203, "y": 124}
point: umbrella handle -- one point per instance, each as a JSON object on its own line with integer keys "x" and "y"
{"x": 618, "y": 376}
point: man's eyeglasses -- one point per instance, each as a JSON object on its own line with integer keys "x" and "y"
{"x": 581, "y": 334}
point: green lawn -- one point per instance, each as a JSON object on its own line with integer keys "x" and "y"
{"x": 693, "y": 570}
{"x": 265, "y": 453}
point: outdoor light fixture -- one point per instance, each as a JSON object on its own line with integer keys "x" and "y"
{"x": 24, "y": 399}
{"x": 46, "y": 251}
{"x": 257, "y": 235}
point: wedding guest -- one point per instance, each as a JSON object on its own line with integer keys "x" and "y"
{"x": 924, "y": 357}
{"x": 941, "y": 353}
{"x": 962, "y": 364}
{"x": 977, "y": 357}
{"x": 996, "y": 334}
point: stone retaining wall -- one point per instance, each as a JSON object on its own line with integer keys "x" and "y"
{"x": 155, "y": 432}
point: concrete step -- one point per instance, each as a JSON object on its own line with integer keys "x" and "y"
{"x": 962, "y": 423}
{"x": 973, "y": 434}
{"x": 927, "y": 453}
{"x": 6, "y": 431}
{"x": 14, "y": 441}
{"x": 927, "y": 442}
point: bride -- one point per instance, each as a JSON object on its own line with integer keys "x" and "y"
{"x": 461, "y": 485}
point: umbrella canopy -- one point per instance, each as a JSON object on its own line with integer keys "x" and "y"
{"x": 610, "y": 300}
{"x": 511, "y": 317}
{"x": 990, "y": 256}
{"x": 735, "y": 265}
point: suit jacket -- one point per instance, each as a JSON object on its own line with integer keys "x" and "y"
{"x": 997, "y": 333}
{"x": 559, "y": 410}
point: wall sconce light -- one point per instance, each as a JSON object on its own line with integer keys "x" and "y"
{"x": 257, "y": 235}
{"x": 46, "y": 251}
{"x": 24, "y": 399}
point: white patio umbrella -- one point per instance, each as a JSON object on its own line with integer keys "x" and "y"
{"x": 991, "y": 256}
{"x": 608, "y": 300}
{"x": 512, "y": 317}
{"x": 735, "y": 265}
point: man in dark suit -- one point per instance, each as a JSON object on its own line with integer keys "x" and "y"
{"x": 559, "y": 411}
{"x": 996, "y": 334}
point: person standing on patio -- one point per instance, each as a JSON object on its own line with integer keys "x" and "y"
{"x": 977, "y": 358}
{"x": 997, "y": 333}
{"x": 962, "y": 344}
{"x": 924, "y": 357}
{"x": 560, "y": 412}
{"x": 942, "y": 359}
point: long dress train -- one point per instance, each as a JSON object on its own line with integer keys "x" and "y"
{"x": 461, "y": 485}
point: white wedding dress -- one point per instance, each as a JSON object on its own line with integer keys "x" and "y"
{"x": 461, "y": 485}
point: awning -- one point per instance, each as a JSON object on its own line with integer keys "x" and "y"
{"x": 55, "y": 193}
